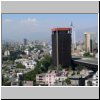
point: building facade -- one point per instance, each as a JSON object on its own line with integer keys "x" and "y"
{"x": 51, "y": 77}
{"x": 90, "y": 42}
{"x": 61, "y": 46}
{"x": 25, "y": 41}
{"x": 87, "y": 41}
{"x": 7, "y": 53}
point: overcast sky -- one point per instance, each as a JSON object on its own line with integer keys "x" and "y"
{"x": 38, "y": 26}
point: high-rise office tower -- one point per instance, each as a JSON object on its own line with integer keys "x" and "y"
{"x": 73, "y": 37}
{"x": 25, "y": 41}
{"x": 87, "y": 41}
{"x": 90, "y": 42}
{"x": 61, "y": 46}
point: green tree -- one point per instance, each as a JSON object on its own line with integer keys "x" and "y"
{"x": 19, "y": 65}
{"x": 78, "y": 72}
{"x": 68, "y": 68}
{"x": 41, "y": 66}
{"x": 31, "y": 76}
{"x": 31, "y": 48}
{"x": 73, "y": 73}
{"x": 8, "y": 84}
{"x": 5, "y": 81}
{"x": 60, "y": 67}
{"x": 79, "y": 68}
{"x": 39, "y": 47}
{"x": 46, "y": 63}
{"x": 38, "y": 68}
{"x": 89, "y": 83}
{"x": 87, "y": 54}
{"x": 68, "y": 81}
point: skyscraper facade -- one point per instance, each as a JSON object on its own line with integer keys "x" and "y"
{"x": 25, "y": 41}
{"x": 87, "y": 41}
{"x": 90, "y": 42}
{"x": 61, "y": 46}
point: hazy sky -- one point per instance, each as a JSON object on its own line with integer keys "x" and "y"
{"x": 38, "y": 26}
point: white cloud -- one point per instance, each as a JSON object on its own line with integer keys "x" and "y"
{"x": 29, "y": 20}
{"x": 8, "y": 20}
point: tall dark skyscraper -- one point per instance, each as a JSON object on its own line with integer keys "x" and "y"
{"x": 25, "y": 41}
{"x": 61, "y": 46}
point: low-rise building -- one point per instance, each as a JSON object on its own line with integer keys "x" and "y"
{"x": 15, "y": 83}
{"x": 77, "y": 80}
{"x": 7, "y": 53}
{"x": 26, "y": 51}
{"x": 95, "y": 79}
{"x": 28, "y": 83}
{"x": 29, "y": 64}
{"x": 19, "y": 74}
{"x": 96, "y": 55}
{"x": 40, "y": 79}
{"x": 51, "y": 77}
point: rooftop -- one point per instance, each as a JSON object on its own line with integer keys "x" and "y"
{"x": 75, "y": 77}
{"x": 61, "y": 29}
{"x": 93, "y": 61}
{"x": 28, "y": 83}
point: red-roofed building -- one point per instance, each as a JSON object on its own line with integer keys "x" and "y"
{"x": 61, "y": 29}
{"x": 61, "y": 46}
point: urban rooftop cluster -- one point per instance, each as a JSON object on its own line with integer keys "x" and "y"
{"x": 42, "y": 63}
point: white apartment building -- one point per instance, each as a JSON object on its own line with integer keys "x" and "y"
{"x": 18, "y": 74}
{"x": 51, "y": 77}
{"x": 7, "y": 53}
{"x": 26, "y": 51}
{"x": 50, "y": 52}
{"x": 20, "y": 60}
{"x": 44, "y": 44}
{"x": 40, "y": 79}
{"x": 95, "y": 79}
{"x": 27, "y": 63}
{"x": 96, "y": 55}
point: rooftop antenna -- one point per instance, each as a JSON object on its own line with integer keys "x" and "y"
{"x": 71, "y": 24}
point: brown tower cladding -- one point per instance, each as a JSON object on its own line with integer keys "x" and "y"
{"x": 61, "y": 46}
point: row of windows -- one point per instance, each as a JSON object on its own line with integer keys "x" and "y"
{"x": 50, "y": 76}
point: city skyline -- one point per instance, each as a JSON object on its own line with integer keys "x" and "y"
{"x": 39, "y": 63}
{"x": 38, "y": 26}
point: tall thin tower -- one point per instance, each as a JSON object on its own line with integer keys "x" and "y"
{"x": 73, "y": 36}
